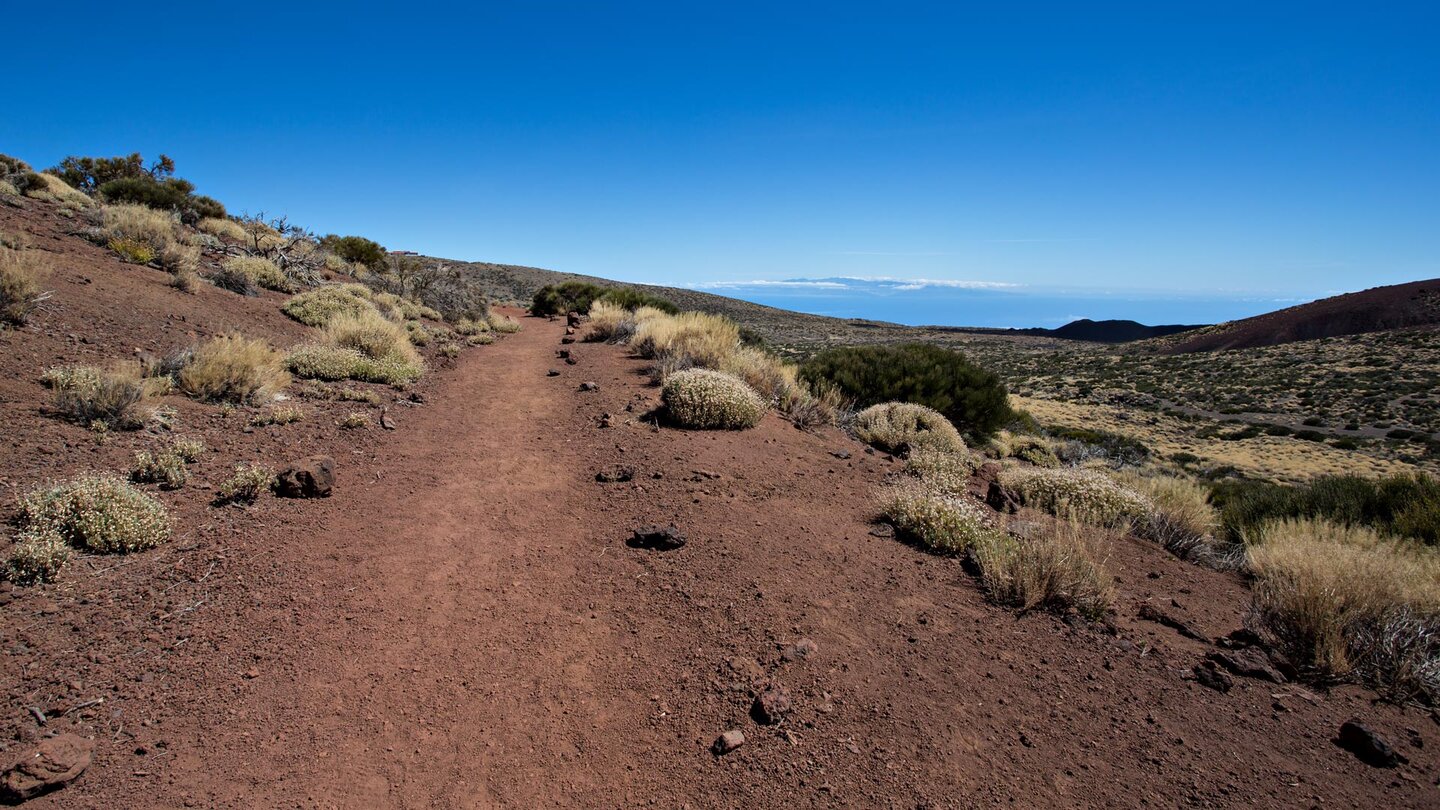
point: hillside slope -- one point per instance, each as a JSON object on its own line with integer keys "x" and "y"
{"x": 463, "y": 624}
{"x": 1399, "y": 306}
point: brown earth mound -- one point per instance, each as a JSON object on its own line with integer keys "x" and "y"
{"x": 463, "y": 623}
{"x": 1399, "y": 306}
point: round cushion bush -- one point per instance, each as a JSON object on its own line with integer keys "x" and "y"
{"x": 711, "y": 400}
{"x": 900, "y": 427}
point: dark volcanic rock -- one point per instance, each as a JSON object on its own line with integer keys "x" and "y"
{"x": 52, "y": 764}
{"x": 1150, "y": 613}
{"x": 615, "y": 475}
{"x": 657, "y": 538}
{"x": 1250, "y": 662}
{"x": 1211, "y": 676}
{"x": 1001, "y": 498}
{"x": 771, "y": 705}
{"x": 1366, "y": 745}
{"x": 310, "y": 477}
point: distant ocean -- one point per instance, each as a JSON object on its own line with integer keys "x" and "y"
{"x": 918, "y": 302}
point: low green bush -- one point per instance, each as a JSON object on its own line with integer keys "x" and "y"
{"x": 1401, "y": 505}
{"x": 973, "y": 399}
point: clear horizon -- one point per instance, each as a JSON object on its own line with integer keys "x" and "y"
{"x": 1217, "y": 156}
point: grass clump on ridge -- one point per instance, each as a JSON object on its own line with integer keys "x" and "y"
{"x": 236, "y": 369}
{"x": 21, "y": 274}
{"x": 1181, "y": 517}
{"x": 223, "y": 228}
{"x": 243, "y": 274}
{"x": 1350, "y": 602}
{"x": 136, "y": 233}
{"x": 900, "y": 427}
{"x": 117, "y": 398}
{"x": 1054, "y": 570}
{"x": 708, "y": 400}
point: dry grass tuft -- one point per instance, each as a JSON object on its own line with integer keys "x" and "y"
{"x": 900, "y": 427}
{"x": 1053, "y": 570}
{"x": 136, "y": 233}
{"x": 1345, "y": 600}
{"x": 708, "y": 400}
{"x": 1181, "y": 517}
{"x": 21, "y": 293}
{"x": 373, "y": 336}
{"x": 53, "y": 189}
{"x": 334, "y": 363}
{"x": 243, "y": 274}
{"x": 234, "y": 369}
{"x": 223, "y": 228}
{"x": 687, "y": 340}
{"x": 316, "y": 307}
{"x": 116, "y": 398}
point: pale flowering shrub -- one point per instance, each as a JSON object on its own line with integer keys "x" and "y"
{"x": 705, "y": 399}
{"x": 1086, "y": 496}
{"x": 945, "y": 471}
{"x": 36, "y": 557}
{"x": 101, "y": 513}
{"x": 937, "y": 521}
{"x": 903, "y": 426}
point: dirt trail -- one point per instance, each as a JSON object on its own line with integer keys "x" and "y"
{"x": 463, "y": 626}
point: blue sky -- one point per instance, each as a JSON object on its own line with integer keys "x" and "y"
{"x": 1209, "y": 149}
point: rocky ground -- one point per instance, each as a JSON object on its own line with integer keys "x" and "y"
{"x": 471, "y": 620}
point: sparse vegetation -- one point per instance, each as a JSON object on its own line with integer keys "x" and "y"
{"x": 355, "y": 419}
{"x": 708, "y": 400}
{"x": 316, "y": 307}
{"x": 973, "y": 399}
{"x": 943, "y": 470}
{"x": 235, "y": 369}
{"x": 277, "y": 416}
{"x": 135, "y": 233}
{"x": 1181, "y": 517}
{"x": 99, "y": 513}
{"x": 222, "y": 228}
{"x": 248, "y": 483}
{"x": 900, "y": 427}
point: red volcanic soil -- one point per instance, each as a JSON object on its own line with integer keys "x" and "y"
{"x": 463, "y": 625}
{"x": 1399, "y": 306}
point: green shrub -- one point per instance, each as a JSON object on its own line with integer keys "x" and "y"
{"x": 1401, "y": 505}
{"x": 937, "y": 521}
{"x": 100, "y": 513}
{"x": 36, "y": 557}
{"x": 973, "y": 399}
{"x": 900, "y": 427}
{"x": 631, "y": 299}
{"x": 707, "y": 400}
{"x": 1085, "y": 496}
{"x": 356, "y": 249}
{"x": 558, "y": 299}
